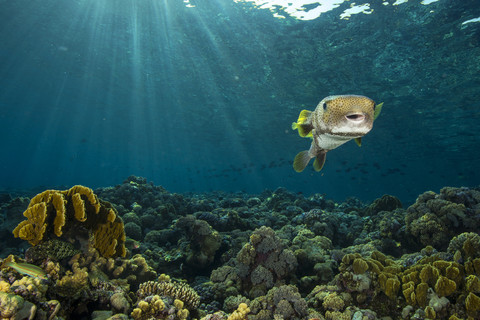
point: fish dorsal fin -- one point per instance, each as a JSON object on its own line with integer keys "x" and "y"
{"x": 378, "y": 109}
{"x": 319, "y": 161}
{"x": 358, "y": 141}
{"x": 303, "y": 125}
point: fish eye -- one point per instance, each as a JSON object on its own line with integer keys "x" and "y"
{"x": 324, "y": 106}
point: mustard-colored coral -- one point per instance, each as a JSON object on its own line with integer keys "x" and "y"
{"x": 53, "y": 212}
{"x": 472, "y": 303}
{"x": 430, "y": 313}
{"x": 445, "y": 287}
{"x": 390, "y": 284}
{"x": 148, "y": 310}
{"x": 333, "y": 302}
{"x": 240, "y": 313}
{"x": 359, "y": 266}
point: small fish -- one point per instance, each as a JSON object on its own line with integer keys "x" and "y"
{"x": 336, "y": 120}
{"x": 28, "y": 269}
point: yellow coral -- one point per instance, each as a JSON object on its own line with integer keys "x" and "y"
{"x": 240, "y": 313}
{"x": 444, "y": 286}
{"x": 359, "y": 266}
{"x": 182, "y": 314}
{"x": 430, "y": 313}
{"x": 472, "y": 283}
{"x": 421, "y": 294}
{"x": 337, "y": 315}
{"x": 4, "y": 286}
{"x": 78, "y": 205}
{"x": 34, "y": 228}
{"x": 175, "y": 290}
{"x": 408, "y": 290}
{"x": 333, "y": 302}
{"x": 178, "y": 304}
{"x": 59, "y": 205}
{"x": 429, "y": 274}
{"x": 472, "y": 303}
{"x": 149, "y": 310}
{"x": 392, "y": 285}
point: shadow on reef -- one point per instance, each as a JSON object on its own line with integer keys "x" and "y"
{"x": 122, "y": 252}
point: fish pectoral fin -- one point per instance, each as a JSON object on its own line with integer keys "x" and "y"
{"x": 303, "y": 124}
{"x": 319, "y": 161}
{"x": 358, "y": 141}
{"x": 378, "y": 109}
{"x": 304, "y": 130}
{"x": 301, "y": 161}
{"x": 303, "y": 116}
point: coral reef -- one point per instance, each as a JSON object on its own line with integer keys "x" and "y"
{"x": 55, "y": 213}
{"x": 277, "y": 255}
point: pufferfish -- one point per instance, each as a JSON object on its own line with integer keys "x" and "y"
{"x": 336, "y": 120}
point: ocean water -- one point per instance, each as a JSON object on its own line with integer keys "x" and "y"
{"x": 200, "y": 95}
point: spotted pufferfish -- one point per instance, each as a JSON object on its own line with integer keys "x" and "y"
{"x": 335, "y": 120}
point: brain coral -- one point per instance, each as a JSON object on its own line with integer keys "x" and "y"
{"x": 54, "y": 213}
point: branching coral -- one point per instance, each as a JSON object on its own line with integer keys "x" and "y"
{"x": 56, "y": 213}
{"x": 174, "y": 290}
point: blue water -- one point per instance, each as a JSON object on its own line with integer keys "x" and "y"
{"x": 202, "y": 98}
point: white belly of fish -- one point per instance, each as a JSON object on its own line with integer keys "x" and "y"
{"x": 328, "y": 142}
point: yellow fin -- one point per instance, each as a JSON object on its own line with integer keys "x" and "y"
{"x": 301, "y": 160}
{"x": 303, "y": 116}
{"x": 378, "y": 109}
{"x": 358, "y": 141}
{"x": 304, "y": 128}
{"x": 319, "y": 161}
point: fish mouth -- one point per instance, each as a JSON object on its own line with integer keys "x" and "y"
{"x": 355, "y": 117}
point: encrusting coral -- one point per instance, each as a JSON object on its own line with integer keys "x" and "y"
{"x": 56, "y": 213}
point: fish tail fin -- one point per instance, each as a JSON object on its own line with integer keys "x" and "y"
{"x": 319, "y": 161}
{"x": 301, "y": 161}
{"x": 304, "y": 128}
